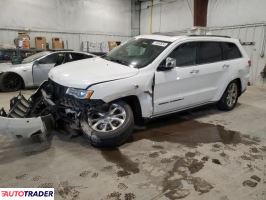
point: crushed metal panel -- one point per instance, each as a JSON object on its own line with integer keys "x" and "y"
{"x": 26, "y": 127}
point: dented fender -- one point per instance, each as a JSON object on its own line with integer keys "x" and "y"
{"x": 140, "y": 85}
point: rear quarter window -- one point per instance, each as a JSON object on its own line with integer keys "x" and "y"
{"x": 50, "y": 59}
{"x": 77, "y": 56}
{"x": 230, "y": 51}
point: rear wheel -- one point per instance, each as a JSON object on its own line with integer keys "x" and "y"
{"x": 109, "y": 127}
{"x": 10, "y": 82}
{"x": 230, "y": 97}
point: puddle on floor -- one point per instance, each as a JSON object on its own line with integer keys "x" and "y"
{"x": 122, "y": 161}
{"x": 174, "y": 129}
{"x": 189, "y": 132}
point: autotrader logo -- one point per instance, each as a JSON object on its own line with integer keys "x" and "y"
{"x": 27, "y": 193}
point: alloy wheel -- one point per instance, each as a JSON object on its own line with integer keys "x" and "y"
{"x": 231, "y": 95}
{"x": 109, "y": 120}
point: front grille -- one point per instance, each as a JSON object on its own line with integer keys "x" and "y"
{"x": 58, "y": 90}
{"x": 60, "y": 97}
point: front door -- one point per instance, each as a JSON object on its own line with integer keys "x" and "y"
{"x": 174, "y": 89}
{"x": 41, "y": 68}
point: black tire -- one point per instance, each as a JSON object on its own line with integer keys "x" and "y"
{"x": 225, "y": 103}
{"x": 112, "y": 138}
{"x": 10, "y": 82}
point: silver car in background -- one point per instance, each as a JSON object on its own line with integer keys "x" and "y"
{"x": 34, "y": 69}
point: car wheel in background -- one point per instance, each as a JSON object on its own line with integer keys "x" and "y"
{"x": 10, "y": 82}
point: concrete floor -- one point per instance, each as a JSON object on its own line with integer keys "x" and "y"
{"x": 200, "y": 154}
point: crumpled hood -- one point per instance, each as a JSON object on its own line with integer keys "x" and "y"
{"x": 81, "y": 74}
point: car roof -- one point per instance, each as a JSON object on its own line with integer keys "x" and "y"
{"x": 160, "y": 37}
{"x": 71, "y": 52}
{"x": 169, "y": 38}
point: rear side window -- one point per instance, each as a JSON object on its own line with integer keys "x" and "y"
{"x": 50, "y": 59}
{"x": 185, "y": 54}
{"x": 230, "y": 51}
{"x": 77, "y": 56}
{"x": 209, "y": 52}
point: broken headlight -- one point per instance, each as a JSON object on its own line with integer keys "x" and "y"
{"x": 79, "y": 93}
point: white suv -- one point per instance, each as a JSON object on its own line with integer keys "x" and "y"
{"x": 146, "y": 77}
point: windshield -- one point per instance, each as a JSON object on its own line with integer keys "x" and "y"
{"x": 137, "y": 53}
{"x": 35, "y": 57}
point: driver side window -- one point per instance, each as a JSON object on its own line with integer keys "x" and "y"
{"x": 50, "y": 59}
{"x": 185, "y": 54}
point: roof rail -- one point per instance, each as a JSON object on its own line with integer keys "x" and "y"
{"x": 223, "y": 36}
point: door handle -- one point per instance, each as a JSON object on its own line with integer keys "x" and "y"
{"x": 226, "y": 66}
{"x": 195, "y": 71}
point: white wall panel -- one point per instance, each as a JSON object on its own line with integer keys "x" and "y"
{"x": 67, "y": 19}
{"x": 94, "y": 16}
{"x": 235, "y": 12}
{"x": 256, "y": 52}
{"x": 226, "y": 15}
{"x": 242, "y": 19}
{"x": 167, "y": 16}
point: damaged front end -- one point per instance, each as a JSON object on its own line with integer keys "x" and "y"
{"x": 44, "y": 110}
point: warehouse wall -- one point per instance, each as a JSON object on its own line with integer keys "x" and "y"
{"x": 242, "y": 19}
{"x": 245, "y": 20}
{"x": 167, "y": 16}
{"x": 135, "y": 17}
{"x": 228, "y": 12}
{"x": 253, "y": 35}
{"x": 72, "y": 20}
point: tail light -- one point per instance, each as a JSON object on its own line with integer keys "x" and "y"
{"x": 249, "y": 63}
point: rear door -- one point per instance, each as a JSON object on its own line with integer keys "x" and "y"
{"x": 215, "y": 63}
{"x": 209, "y": 71}
{"x": 233, "y": 64}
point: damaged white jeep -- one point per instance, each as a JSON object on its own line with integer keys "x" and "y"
{"x": 146, "y": 77}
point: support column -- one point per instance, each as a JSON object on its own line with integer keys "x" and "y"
{"x": 200, "y": 12}
{"x": 135, "y": 17}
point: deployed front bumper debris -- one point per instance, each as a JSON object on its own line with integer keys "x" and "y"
{"x": 21, "y": 120}
{"x": 33, "y": 128}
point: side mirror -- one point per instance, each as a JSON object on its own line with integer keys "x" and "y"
{"x": 168, "y": 64}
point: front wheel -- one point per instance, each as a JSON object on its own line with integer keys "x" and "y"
{"x": 229, "y": 98}
{"x": 10, "y": 82}
{"x": 109, "y": 126}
